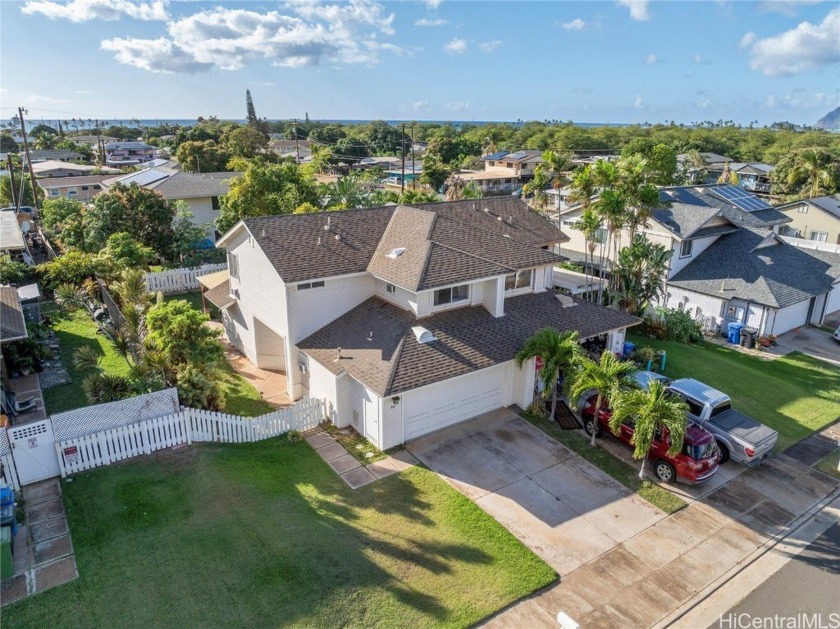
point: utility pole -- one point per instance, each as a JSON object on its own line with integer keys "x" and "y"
{"x": 297, "y": 147}
{"x": 402, "y": 152}
{"x": 28, "y": 160}
{"x": 15, "y": 200}
{"x": 100, "y": 147}
{"x": 413, "y": 161}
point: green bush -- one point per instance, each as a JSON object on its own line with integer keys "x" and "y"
{"x": 12, "y": 272}
{"x": 680, "y": 327}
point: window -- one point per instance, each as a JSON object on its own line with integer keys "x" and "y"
{"x": 509, "y": 165}
{"x": 452, "y": 295}
{"x": 492, "y": 164}
{"x": 214, "y": 203}
{"x": 390, "y": 288}
{"x": 306, "y": 285}
{"x": 233, "y": 265}
{"x": 802, "y": 209}
{"x": 97, "y": 187}
{"x": 84, "y": 188}
{"x": 819, "y": 236}
{"x": 54, "y": 192}
{"x": 600, "y": 235}
{"x": 518, "y": 280}
{"x": 685, "y": 248}
{"x": 72, "y": 192}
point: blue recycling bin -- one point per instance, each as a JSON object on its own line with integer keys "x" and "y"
{"x": 629, "y": 348}
{"x": 734, "y": 330}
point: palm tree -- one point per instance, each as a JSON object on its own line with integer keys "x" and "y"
{"x": 611, "y": 207}
{"x": 812, "y": 170}
{"x": 45, "y": 140}
{"x": 589, "y": 224}
{"x": 639, "y": 275}
{"x": 607, "y": 378}
{"x": 559, "y": 351}
{"x": 640, "y": 197}
{"x": 652, "y": 410}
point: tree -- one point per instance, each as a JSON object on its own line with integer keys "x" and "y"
{"x": 56, "y": 212}
{"x": 7, "y": 143}
{"x": 435, "y": 172}
{"x": 127, "y": 252}
{"x": 606, "y": 377}
{"x": 245, "y": 142}
{"x": 6, "y": 190}
{"x": 74, "y": 267}
{"x": 640, "y": 197}
{"x": 186, "y": 235}
{"x": 640, "y": 273}
{"x": 661, "y": 159}
{"x": 202, "y": 156}
{"x": 45, "y": 140}
{"x": 266, "y": 189}
{"x": 590, "y": 224}
{"x": 812, "y": 172}
{"x": 652, "y": 411}
{"x": 250, "y": 112}
{"x": 559, "y": 352}
{"x": 42, "y": 128}
{"x": 13, "y": 272}
{"x": 142, "y": 213}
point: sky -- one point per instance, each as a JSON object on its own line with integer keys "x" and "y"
{"x": 625, "y": 61}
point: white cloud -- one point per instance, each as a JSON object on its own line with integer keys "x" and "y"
{"x": 490, "y": 46}
{"x": 771, "y": 101}
{"x": 700, "y": 60}
{"x": 266, "y": 84}
{"x": 639, "y": 103}
{"x": 458, "y": 105}
{"x": 582, "y": 89}
{"x": 747, "y": 40}
{"x": 430, "y": 22}
{"x": 84, "y": 91}
{"x": 223, "y": 38}
{"x": 651, "y": 59}
{"x": 802, "y": 100}
{"x": 638, "y": 9}
{"x": 420, "y": 105}
{"x": 575, "y": 25}
{"x": 798, "y": 50}
{"x": 785, "y": 7}
{"x": 45, "y": 100}
{"x": 433, "y": 4}
{"x": 456, "y": 46}
{"x": 108, "y": 10}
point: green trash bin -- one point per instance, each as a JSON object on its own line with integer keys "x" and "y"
{"x": 7, "y": 562}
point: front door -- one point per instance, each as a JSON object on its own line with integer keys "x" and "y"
{"x": 33, "y": 447}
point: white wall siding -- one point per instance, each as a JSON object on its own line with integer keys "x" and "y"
{"x": 313, "y": 308}
{"x": 323, "y": 385}
{"x": 494, "y": 296}
{"x": 833, "y": 299}
{"x": 344, "y": 387}
{"x": 270, "y": 347}
{"x": 203, "y": 214}
{"x": 791, "y": 317}
{"x": 704, "y": 308}
{"x": 399, "y": 297}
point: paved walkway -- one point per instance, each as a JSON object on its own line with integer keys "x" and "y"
{"x": 43, "y": 552}
{"x": 812, "y": 342}
{"x": 646, "y": 578}
{"x": 348, "y": 467}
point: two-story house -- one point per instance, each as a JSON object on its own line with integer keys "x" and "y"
{"x": 405, "y": 319}
{"x": 520, "y": 164}
{"x": 129, "y": 153}
{"x": 816, "y": 219}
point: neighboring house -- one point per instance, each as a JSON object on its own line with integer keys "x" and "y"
{"x": 385, "y": 163}
{"x": 815, "y": 219}
{"x": 520, "y": 164}
{"x": 12, "y": 321}
{"x": 405, "y": 319}
{"x": 291, "y": 148}
{"x": 53, "y": 168}
{"x": 490, "y": 182}
{"x": 55, "y": 155}
{"x": 79, "y": 188}
{"x": 91, "y": 140}
{"x": 753, "y": 176}
{"x": 412, "y": 170}
{"x": 129, "y": 153}
{"x": 12, "y": 242}
{"x": 200, "y": 192}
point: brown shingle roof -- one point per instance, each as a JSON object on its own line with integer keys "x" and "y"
{"x": 476, "y": 239}
{"x": 468, "y": 339}
{"x": 12, "y": 323}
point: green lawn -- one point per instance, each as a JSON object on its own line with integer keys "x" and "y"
{"x": 75, "y": 330}
{"x": 625, "y": 474}
{"x": 794, "y": 394}
{"x": 267, "y": 534}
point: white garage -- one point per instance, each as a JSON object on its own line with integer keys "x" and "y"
{"x": 791, "y": 317}
{"x": 445, "y": 403}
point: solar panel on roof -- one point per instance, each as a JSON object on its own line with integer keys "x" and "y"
{"x": 144, "y": 177}
{"x": 741, "y": 198}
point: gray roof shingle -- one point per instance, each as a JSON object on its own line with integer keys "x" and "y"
{"x": 468, "y": 339}
{"x": 12, "y": 323}
{"x": 757, "y": 266}
{"x": 703, "y": 196}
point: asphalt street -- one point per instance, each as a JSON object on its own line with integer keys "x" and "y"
{"x": 808, "y": 584}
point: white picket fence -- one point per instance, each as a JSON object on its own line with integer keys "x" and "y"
{"x": 801, "y": 243}
{"x": 179, "y": 280}
{"x": 188, "y": 425}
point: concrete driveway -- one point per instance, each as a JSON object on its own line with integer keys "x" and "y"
{"x": 812, "y": 342}
{"x": 563, "y": 508}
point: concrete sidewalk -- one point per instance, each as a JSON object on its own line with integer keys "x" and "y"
{"x": 645, "y": 579}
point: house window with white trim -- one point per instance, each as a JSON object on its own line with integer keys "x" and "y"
{"x": 685, "y": 248}
{"x": 519, "y": 280}
{"x": 307, "y": 285}
{"x": 802, "y": 209}
{"x": 233, "y": 265}
{"x": 819, "y": 236}
{"x": 452, "y": 295}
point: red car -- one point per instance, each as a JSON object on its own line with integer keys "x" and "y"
{"x": 697, "y": 462}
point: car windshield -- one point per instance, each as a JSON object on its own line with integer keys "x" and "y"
{"x": 721, "y": 408}
{"x": 700, "y": 452}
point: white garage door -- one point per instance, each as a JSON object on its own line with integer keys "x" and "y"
{"x": 452, "y": 401}
{"x": 833, "y": 300}
{"x": 791, "y": 317}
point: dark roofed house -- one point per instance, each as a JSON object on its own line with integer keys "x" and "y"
{"x": 404, "y": 319}
{"x": 12, "y": 322}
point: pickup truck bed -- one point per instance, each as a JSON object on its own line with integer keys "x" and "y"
{"x": 743, "y": 427}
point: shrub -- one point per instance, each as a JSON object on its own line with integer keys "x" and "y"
{"x": 293, "y": 436}
{"x": 199, "y": 389}
{"x": 13, "y": 272}
{"x": 679, "y": 326}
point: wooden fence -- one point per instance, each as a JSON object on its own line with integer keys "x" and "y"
{"x": 179, "y": 280}
{"x": 188, "y": 425}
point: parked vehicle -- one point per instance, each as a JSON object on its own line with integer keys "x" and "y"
{"x": 696, "y": 463}
{"x": 739, "y": 437}
{"x": 837, "y": 335}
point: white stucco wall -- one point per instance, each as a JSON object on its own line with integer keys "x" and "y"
{"x": 323, "y": 385}
{"x": 704, "y": 308}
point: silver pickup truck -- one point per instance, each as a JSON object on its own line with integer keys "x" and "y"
{"x": 738, "y": 436}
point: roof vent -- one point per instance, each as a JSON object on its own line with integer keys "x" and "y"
{"x": 499, "y": 218}
{"x": 370, "y": 336}
{"x": 327, "y": 226}
{"x": 565, "y": 300}
{"x": 510, "y": 219}
{"x": 338, "y": 355}
{"x": 487, "y": 209}
{"x": 319, "y": 241}
{"x": 338, "y": 237}
{"x": 422, "y": 334}
{"x": 396, "y": 253}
